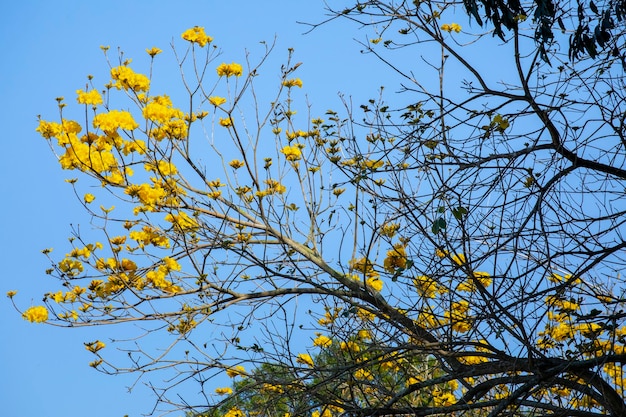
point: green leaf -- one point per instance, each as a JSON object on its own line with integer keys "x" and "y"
{"x": 459, "y": 212}
{"x": 439, "y": 225}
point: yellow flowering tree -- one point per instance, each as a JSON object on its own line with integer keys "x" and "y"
{"x": 458, "y": 253}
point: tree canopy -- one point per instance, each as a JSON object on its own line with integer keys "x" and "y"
{"x": 453, "y": 248}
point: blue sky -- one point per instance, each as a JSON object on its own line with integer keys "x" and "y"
{"x": 48, "y": 49}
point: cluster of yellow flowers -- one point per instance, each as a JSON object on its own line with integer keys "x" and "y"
{"x": 92, "y": 97}
{"x": 273, "y": 187}
{"x": 292, "y": 152}
{"x": 182, "y": 222}
{"x": 127, "y": 79}
{"x": 216, "y": 100}
{"x": 236, "y": 371}
{"x": 452, "y": 27}
{"x": 150, "y": 236}
{"x": 93, "y": 347}
{"x": 396, "y": 258}
{"x": 293, "y": 82}
{"x": 229, "y": 70}
{"x": 197, "y": 35}
{"x": 36, "y": 314}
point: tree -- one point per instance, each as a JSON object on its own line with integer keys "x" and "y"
{"x": 331, "y": 372}
{"x": 469, "y": 228}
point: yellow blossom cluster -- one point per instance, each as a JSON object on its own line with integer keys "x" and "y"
{"x": 160, "y": 109}
{"x": 428, "y": 287}
{"x": 223, "y": 390}
{"x": 292, "y": 153}
{"x": 197, "y": 35}
{"x": 216, "y": 100}
{"x": 36, "y": 314}
{"x": 93, "y": 347}
{"x": 365, "y": 267}
{"x": 457, "y": 316}
{"x": 273, "y": 187}
{"x": 158, "y": 279}
{"x": 113, "y": 120}
{"x": 322, "y": 341}
{"x": 226, "y": 121}
{"x": 236, "y": 164}
{"x": 66, "y": 297}
{"x": 396, "y": 258}
{"x": 389, "y": 229}
{"x": 329, "y": 316}
{"x": 236, "y": 371}
{"x": 93, "y": 153}
{"x": 127, "y": 79}
{"x": 293, "y": 82}
{"x": 157, "y": 195}
{"x": 92, "y": 97}
{"x": 150, "y": 236}
{"x": 70, "y": 267}
{"x": 305, "y": 359}
{"x": 452, "y": 27}
{"x": 182, "y": 222}
{"x": 469, "y": 285}
{"x": 234, "y": 412}
{"x": 153, "y": 51}
{"x": 229, "y": 70}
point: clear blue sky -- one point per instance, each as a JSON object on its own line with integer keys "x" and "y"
{"x": 48, "y": 49}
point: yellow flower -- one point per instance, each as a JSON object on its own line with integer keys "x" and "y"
{"x": 49, "y": 129}
{"x": 364, "y": 334}
{"x": 11, "y": 294}
{"x": 234, "y": 412}
{"x": 88, "y": 198}
{"x": 170, "y": 263}
{"x": 92, "y": 97}
{"x": 443, "y": 399}
{"x": 227, "y": 70}
{"x": 453, "y": 27}
{"x": 126, "y": 79}
{"x": 216, "y": 100}
{"x": 275, "y": 186}
{"x": 111, "y": 121}
{"x": 389, "y": 229}
{"x": 426, "y": 286}
{"x": 153, "y": 51}
{"x": 458, "y": 259}
{"x": 293, "y": 82}
{"x": 375, "y": 283}
{"x": 95, "y": 363}
{"x": 458, "y": 318}
{"x": 182, "y": 221}
{"x": 93, "y": 347}
{"x": 197, "y": 35}
{"x": 350, "y": 346}
{"x": 236, "y": 371}
{"x": 363, "y": 374}
{"x": 226, "y": 121}
{"x": 224, "y": 391}
{"x": 236, "y": 164}
{"x": 292, "y": 153}
{"x": 160, "y": 109}
{"x": 322, "y": 341}
{"x": 305, "y": 359}
{"x": 36, "y": 314}
{"x": 558, "y": 279}
{"x": 372, "y": 164}
{"x": 396, "y": 258}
